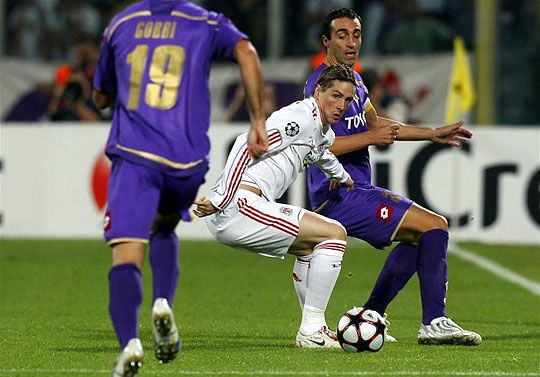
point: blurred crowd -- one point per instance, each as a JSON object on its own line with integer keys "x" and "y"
{"x": 68, "y": 32}
{"x": 45, "y": 29}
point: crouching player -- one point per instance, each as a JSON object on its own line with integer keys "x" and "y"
{"x": 246, "y": 216}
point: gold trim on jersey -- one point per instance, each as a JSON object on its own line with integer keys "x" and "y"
{"x": 193, "y": 18}
{"x": 125, "y": 18}
{"x": 159, "y": 159}
{"x": 369, "y": 107}
{"x": 114, "y": 241}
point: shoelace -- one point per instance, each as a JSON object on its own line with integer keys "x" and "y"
{"x": 329, "y": 333}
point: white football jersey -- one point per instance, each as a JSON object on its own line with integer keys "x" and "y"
{"x": 296, "y": 139}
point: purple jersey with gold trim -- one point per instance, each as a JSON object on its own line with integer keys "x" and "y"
{"x": 356, "y": 163}
{"x": 156, "y": 57}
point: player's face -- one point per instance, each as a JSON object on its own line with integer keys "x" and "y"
{"x": 345, "y": 41}
{"x": 334, "y": 101}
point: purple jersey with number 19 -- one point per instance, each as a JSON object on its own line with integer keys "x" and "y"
{"x": 155, "y": 57}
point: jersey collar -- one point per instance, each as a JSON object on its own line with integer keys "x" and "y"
{"x": 316, "y": 113}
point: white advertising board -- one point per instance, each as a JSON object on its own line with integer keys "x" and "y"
{"x": 53, "y": 181}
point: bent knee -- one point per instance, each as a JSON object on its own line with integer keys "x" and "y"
{"x": 336, "y": 231}
{"x": 439, "y": 222}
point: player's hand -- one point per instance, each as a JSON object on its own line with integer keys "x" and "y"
{"x": 335, "y": 184}
{"x": 204, "y": 207}
{"x": 385, "y": 134}
{"x": 257, "y": 141}
{"x": 453, "y": 134}
{"x": 350, "y": 184}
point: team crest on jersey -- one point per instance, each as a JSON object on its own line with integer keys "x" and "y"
{"x": 286, "y": 211}
{"x": 292, "y": 129}
{"x": 384, "y": 213}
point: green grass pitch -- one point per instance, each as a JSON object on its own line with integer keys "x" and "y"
{"x": 238, "y": 315}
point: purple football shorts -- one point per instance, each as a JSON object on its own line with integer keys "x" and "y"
{"x": 369, "y": 213}
{"x": 137, "y": 193}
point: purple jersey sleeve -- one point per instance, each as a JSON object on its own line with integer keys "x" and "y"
{"x": 156, "y": 57}
{"x": 105, "y": 78}
{"x": 356, "y": 163}
{"x": 225, "y": 38}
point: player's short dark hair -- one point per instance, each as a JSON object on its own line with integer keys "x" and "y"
{"x": 338, "y": 72}
{"x": 336, "y": 13}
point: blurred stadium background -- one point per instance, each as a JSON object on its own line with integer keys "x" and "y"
{"x": 53, "y": 177}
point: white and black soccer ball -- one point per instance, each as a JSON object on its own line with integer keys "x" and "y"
{"x": 361, "y": 330}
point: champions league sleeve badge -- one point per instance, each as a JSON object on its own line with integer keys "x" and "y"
{"x": 292, "y": 129}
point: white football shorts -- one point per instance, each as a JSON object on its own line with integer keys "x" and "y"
{"x": 254, "y": 224}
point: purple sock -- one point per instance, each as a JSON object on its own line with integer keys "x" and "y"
{"x": 164, "y": 259}
{"x": 125, "y": 298}
{"x": 396, "y": 272}
{"x": 432, "y": 273}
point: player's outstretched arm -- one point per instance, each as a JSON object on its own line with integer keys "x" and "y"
{"x": 379, "y": 133}
{"x": 250, "y": 70}
{"x": 452, "y": 134}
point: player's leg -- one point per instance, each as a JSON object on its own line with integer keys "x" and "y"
{"x": 164, "y": 256}
{"x": 430, "y": 231}
{"x": 299, "y": 275}
{"x": 176, "y": 197}
{"x": 274, "y": 229}
{"x": 125, "y": 298}
{"x": 165, "y": 264}
{"x": 374, "y": 214}
{"x": 398, "y": 268}
{"x": 125, "y": 289}
{"x": 130, "y": 211}
{"x": 327, "y": 239}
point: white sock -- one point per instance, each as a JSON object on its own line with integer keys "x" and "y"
{"x": 312, "y": 320}
{"x": 300, "y": 272}
{"x": 321, "y": 278}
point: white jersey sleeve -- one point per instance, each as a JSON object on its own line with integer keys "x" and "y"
{"x": 289, "y": 126}
{"x": 332, "y": 168}
{"x": 298, "y": 127}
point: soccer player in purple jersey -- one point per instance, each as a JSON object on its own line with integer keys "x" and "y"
{"x": 376, "y": 215}
{"x": 154, "y": 68}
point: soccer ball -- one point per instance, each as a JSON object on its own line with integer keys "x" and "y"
{"x": 361, "y": 330}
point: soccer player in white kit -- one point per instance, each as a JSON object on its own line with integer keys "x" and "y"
{"x": 246, "y": 216}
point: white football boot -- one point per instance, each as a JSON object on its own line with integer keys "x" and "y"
{"x": 323, "y": 338}
{"x": 387, "y": 337}
{"x": 166, "y": 337}
{"x": 130, "y": 359}
{"x": 443, "y": 330}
